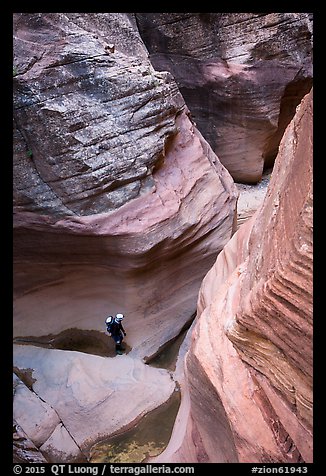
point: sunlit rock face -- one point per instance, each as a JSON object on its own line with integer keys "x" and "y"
{"x": 248, "y": 391}
{"x": 241, "y": 75}
{"x": 120, "y": 205}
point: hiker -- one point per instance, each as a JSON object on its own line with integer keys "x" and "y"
{"x": 116, "y": 331}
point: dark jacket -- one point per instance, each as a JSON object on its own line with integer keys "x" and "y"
{"x": 116, "y": 328}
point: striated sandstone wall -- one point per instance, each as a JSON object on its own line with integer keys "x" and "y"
{"x": 121, "y": 205}
{"x": 241, "y": 75}
{"x": 248, "y": 390}
{"x": 117, "y": 196}
{"x": 90, "y": 125}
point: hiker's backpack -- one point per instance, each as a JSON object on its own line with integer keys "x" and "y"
{"x": 109, "y": 321}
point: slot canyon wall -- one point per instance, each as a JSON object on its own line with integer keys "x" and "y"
{"x": 120, "y": 205}
{"x": 241, "y": 74}
{"x": 123, "y": 200}
{"x": 248, "y": 382}
{"x": 116, "y": 194}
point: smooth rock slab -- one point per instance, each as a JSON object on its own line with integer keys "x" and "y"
{"x": 60, "y": 446}
{"x": 34, "y": 416}
{"x": 93, "y": 396}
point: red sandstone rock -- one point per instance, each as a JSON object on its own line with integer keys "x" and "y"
{"x": 117, "y": 198}
{"x": 74, "y": 271}
{"x": 241, "y": 74}
{"x": 249, "y": 368}
{"x": 117, "y": 195}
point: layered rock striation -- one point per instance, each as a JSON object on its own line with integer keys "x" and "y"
{"x": 116, "y": 197}
{"x": 248, "y": 390}
{"x": 120, "y": 205}
{"x": 90, "y": 122}
{"x": 116, "y": 194}
{"x": 241, "y": 74}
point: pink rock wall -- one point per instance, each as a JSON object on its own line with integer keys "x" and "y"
{"x": 116, "y": 194}
{"x": 241, "y": 74}
{"x": 249, "y": 368}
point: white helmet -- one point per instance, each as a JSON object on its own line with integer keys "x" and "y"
{"x": 119, "y": 317}
{"x": 108, "y": 319}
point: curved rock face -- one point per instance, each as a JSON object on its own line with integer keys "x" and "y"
{"x": 241, "y": 75}
{"x": 117, "y": 195}
{"x": 90, "y": 124}
{"x": 252, "y": 345}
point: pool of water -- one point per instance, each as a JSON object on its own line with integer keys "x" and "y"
{"x": 150, "y": 436}
{"x": 166, "y": 358}
{"x": 147, "y": 439}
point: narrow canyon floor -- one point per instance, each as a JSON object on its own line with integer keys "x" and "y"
{"x": 251, "y": 197}
{"x": 149, "y": 436}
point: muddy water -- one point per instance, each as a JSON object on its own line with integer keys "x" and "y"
{"x": 151, "y": 435}
{"x": 147, "y": 439}
{"x": 167, "y": 357}
{"x": 89, "y": 342}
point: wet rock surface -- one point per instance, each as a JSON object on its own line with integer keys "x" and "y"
{"x": 89, "y": 342}
{"x": 147, "y": 439}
